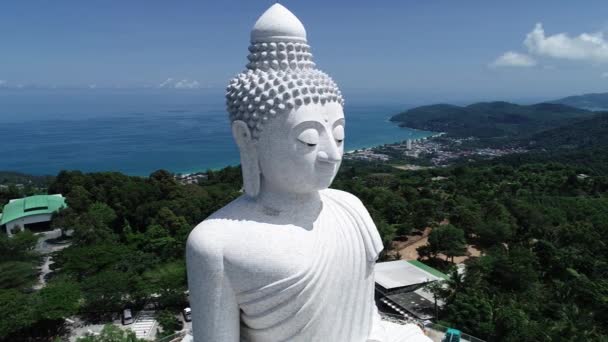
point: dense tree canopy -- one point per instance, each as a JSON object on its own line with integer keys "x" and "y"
{"x": 130, "y": 233}
{"x": 445, "y": 239}
{"x": 127, "y": 250}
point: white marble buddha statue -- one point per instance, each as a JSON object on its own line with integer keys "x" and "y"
{"x": 289, "y": 260}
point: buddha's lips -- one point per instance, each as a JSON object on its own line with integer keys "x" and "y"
{"x": 326, "y": 166}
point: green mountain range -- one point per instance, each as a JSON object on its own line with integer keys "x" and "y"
{"x": 583, "y": 144}
{"x": 585, "y": 134}
{"x": 597, "y": 101}
{"x": 490, "y": 119}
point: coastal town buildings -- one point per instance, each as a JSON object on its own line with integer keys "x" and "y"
{"x": 367, "y": 154}
{"x": 434, "y": 151}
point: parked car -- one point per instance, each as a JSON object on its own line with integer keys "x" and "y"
{"x": 187, "y": 314}
{"x": 127, "y": 317}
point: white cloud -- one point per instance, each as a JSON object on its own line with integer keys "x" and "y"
{"x": 2, "y": 83}
{"x": 186, "y": 84}
{"x": 585, "y": 47}
{"x": 166, "y": 84}
{"x": 604, "y": 74}
{"x": 171, "y": 83}
{"x": 513, "y": 59}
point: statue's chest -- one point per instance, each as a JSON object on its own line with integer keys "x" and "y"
{"x": 281, "y": 253}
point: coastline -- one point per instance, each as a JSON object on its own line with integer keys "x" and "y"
{"x": 421, "y": 135}
{"x": 434, "y": 135}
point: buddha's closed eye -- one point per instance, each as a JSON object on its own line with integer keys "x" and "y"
{"x": 310, "y": 137}
{"x": 339, "y": 133}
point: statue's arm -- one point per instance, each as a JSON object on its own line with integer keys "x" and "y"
{"x": 377, "y": 334}
{"x": 373, "y": 244}
{"x": 215, "y": 312}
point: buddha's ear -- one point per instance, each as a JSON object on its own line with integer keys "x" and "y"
{"x": 249, "y": 157}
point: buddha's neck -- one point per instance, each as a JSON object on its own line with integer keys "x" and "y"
{"x": 274, "y": 199}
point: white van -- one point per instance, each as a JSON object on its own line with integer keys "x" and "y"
{"x": 127, "y": 317}
{"x": 187, "y": 314}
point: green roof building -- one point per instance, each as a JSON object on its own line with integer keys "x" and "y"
{"x": 30, "y": 211}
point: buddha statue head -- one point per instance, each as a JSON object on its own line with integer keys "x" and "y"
{"x": 287, "y": 116}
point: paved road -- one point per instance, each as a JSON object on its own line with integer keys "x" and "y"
{"x": 45, "y": 248}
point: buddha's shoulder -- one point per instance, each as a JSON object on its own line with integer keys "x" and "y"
{"x": 344, "y": 198}
{"x": 350, "y": 203}
{"x": 221, "y": 227}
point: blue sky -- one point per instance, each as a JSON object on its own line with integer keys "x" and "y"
{"x": 421, "y": 51}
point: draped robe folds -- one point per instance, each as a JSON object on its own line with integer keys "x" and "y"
{"x": 333, "y": 298}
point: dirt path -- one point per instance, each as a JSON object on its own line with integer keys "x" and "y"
{"x": 45, "y": 248}
{"x": 407, "y": 249}
{"x": 472, "y": 252}
{"x": 409, "y": 252}
{"x": 44, "y": 270}
{"x": 410, "y": 167}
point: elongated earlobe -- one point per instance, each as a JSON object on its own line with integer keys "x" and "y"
{"x": 249, "y": 157}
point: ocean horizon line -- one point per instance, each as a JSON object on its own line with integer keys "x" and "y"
{"x": 137, "y": 135}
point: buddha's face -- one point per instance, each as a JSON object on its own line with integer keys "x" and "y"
{"x": 301, "y": 151}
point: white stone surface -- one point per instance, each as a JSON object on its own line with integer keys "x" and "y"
{"x": 280, "y": 75}
{"x": 278, "y": 23}
{"x": 290, "y": 260}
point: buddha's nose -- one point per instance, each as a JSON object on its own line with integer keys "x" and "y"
{"x": 331, "y": 154}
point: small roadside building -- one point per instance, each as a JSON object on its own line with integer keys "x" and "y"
{"x": 400, "y": 288}
{"x": 33, "y": 212}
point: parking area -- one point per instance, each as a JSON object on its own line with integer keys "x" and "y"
{"x": 144, "y": 325}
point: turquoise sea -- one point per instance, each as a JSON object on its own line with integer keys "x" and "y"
{"x": 140, "y": 131}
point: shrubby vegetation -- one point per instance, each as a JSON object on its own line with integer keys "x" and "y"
{"x": 168, "y": 322}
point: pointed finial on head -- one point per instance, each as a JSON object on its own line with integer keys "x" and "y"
{"x": 278, "y": 24}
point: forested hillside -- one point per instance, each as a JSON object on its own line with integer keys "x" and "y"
{"x": 12, "y": 178}
{"x": 585, "y": 134}
{"x": 490, "y": 119}
{"x": 587, "y": 101}
{"x": 581, "y": 144}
